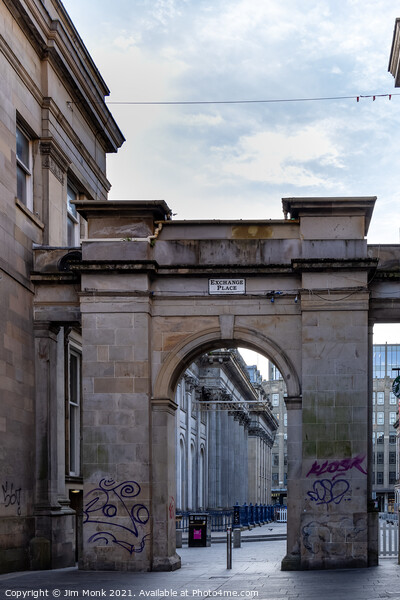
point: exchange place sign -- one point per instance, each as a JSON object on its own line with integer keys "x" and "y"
{"x": 226, "y": 286}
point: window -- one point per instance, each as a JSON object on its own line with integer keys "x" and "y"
{"x": 275, "y": 399}
{"x": 275, "y": 375}
{"x": 379, "y": 437}
{"x": 392, "y": 458}
{"x": 373, "y": 397}
{"x": 392, "y": 438}
{"x": 379, "y": 362}
{"x": 380, "y": 418}
{"x": 74, "y": 410}
{"x": 24, "y": 168}
{"x": 275, "y": 460}
{"x": 285, "y": 419}
{"x": 72, "y": 217}
{"x": 379, "y": 478}
{"x": 380, "y": 397}
{"x": 275, "y": 478}
{"x": 379, "y": 458}
{"x": 373, "y": 418}
{"x": 392, "y": 477}
{"x": 392, "y": 418}
{"x": 392, "y": 398}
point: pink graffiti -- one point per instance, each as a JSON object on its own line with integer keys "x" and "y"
{"x": 337, "y": 466}
{"x": 171, "y": 508}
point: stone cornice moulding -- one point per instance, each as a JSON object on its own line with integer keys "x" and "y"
{"x": 164, "y": 405}
{"x": 293, "y": 402}
{"x": 330, "y": 207}
{"x": 394, "y": 60}
{"x": 20, "y": 70}
{"x": 72, "y": 62}
{"x": 49, "y": 104}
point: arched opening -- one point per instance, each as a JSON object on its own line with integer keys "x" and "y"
{"x": 205, "y": 487}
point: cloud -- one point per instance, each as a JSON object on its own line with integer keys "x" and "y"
{"x": 125, "y": 41}
{"x": 296, "y": 158}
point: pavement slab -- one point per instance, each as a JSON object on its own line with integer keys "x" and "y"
{"x": 255, "y": 573}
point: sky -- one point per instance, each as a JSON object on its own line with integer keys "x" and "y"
{"x": 237, "y": 161}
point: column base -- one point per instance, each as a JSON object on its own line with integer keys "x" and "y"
{"x": 170, "y": 563}
{"x": 53, "y": 546}
{"x": 291, "y": 562}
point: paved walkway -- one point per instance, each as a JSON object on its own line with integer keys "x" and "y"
{"x": 255, "y": 573}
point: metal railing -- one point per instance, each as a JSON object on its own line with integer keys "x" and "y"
{"x": 388, "y": 538}
{"x": 239, "y": 516}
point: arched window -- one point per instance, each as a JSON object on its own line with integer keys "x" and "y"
{"x": 181, "y": 477}
{"x": 201, "y": 480}
{"x": 193, "y": 471}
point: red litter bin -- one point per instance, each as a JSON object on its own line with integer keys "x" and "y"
{"x": 199, "y": 530}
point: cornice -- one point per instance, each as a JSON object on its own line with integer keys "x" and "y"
{"x": 49, "y": 104}
{"x": 337, "y": 264}
{"x": 59, "y": 42}
{"x": 20, "y": 70}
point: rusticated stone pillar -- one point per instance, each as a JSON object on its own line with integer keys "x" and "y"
{"x": 333, "y": 498}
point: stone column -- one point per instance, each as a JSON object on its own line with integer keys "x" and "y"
{"x": 54, "y": 542}
{"x": 291, "y": 562}
{"x": 163, "y": 486}
{"x": 226, "y": 458}
{"x": 212, "y": 460}
{"x": 373, "y": 515}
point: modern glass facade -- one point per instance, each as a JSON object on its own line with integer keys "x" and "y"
{"x": 386, "y": 358}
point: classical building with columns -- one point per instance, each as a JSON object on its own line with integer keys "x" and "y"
{"x": 225, "y": 431}
{"x": 55, "y": 132}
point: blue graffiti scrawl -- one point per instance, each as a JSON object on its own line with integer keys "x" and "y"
{"x": 326, "y": 491}
{"x": 102, "y": 505}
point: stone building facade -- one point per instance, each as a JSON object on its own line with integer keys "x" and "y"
{"x": 225, "y": 431}
{"x": 385, "y": 414}
{"x": 275, "y": 387}
{"x": 55, "y": 132}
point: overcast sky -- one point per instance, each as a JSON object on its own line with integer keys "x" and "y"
{"x": 238, "y": 161}
{"x": 219, "y": 161}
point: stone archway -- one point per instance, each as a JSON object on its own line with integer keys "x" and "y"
{"x": 297, "y": 291}
{"x": 190, "y": 348}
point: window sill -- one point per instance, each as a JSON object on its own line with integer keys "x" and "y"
{"x": 29, "y": 214}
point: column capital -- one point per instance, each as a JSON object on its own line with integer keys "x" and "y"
{"x": 293, "y": 402}
{"x": 46, "y": 329}
{"x": 164, "y": 405}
